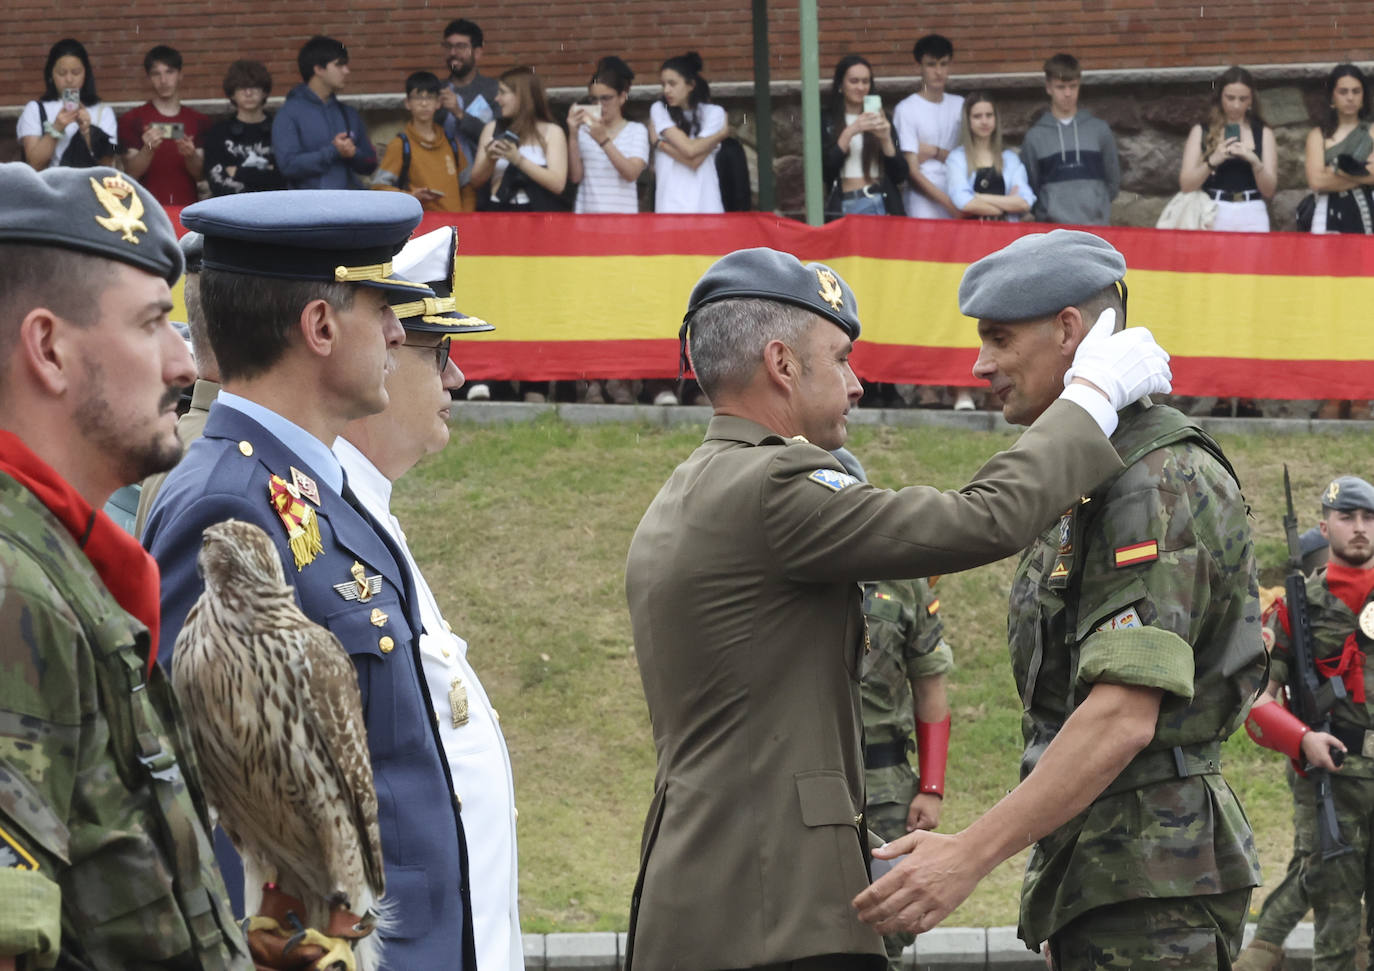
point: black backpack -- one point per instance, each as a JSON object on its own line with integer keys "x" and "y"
{"x": 403, "y": 180}
{"x": 732, "y": 168}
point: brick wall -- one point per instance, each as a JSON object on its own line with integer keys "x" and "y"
{"x": 389, "y": 38}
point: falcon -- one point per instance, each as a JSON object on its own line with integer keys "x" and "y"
{"x": 275, "y": 716}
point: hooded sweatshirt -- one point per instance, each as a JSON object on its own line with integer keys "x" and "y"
{"x": 1073, "y": 168}
{"x": 303, "y": 141}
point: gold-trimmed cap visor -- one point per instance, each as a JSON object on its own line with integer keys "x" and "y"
{"x": 436, "y": 315}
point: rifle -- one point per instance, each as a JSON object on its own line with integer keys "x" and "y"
{"x": 1310, "y": 695}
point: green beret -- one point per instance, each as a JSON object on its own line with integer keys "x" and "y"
{"x": 767, "y": 274}
{"x": 97, "y": 211}
{"x": 1039, "y": 275}
{"x": 1348, "y": 492}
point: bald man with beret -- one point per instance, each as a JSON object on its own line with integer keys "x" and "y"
{"x": 748, "y": 622}
{"x": 1135, "y": 646}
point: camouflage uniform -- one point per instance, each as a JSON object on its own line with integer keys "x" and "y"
{"x": 906, "y": 640}
{"x": 1334, "y": 887}
{"x": 103, "y": 845}
{"x": 1150, "y": 581}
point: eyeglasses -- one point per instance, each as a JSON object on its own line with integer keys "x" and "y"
{"x": 422, "y": 96}
{"x": 440, "y": 351}
{"x": 604, "y": 99}
{"x": 462, "y": 45}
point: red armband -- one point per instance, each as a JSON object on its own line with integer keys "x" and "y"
{"x": 932, "y": 751}
{"x": 1275, "y": 727}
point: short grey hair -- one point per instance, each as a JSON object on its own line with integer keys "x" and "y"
{"x": 726, "y": 339}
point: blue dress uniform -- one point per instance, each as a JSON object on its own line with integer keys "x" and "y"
{"x": 356, "y": 584}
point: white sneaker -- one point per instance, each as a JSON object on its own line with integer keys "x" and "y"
{"x": 665, "y": 398}
{"x": 479, "y": 392}
{"x": 963, "y": 401}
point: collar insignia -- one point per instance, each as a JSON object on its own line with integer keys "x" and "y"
{"x": 126, "y": 220}
{"x": 830, "y": 290}
{"x": 304, "y": 485}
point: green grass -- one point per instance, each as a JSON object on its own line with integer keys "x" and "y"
{"x": 522, "y": 532}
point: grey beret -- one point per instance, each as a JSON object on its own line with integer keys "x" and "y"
{"x": 95, "y": 210}
{"x": 767, "y": 274}
{"x": 1348, "y": 492}
{"x": 193, "y": 248}
{"x": 851, "y": 463}
{"x": 1038, "y": 275}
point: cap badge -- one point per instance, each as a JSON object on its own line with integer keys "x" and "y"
{"x": 830, "y": 290}
{"x": 126, "y": 220}
{"x": 1332, "y": 491}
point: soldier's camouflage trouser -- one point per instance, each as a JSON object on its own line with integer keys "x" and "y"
{"x": 1286, "y": 905}
{"x": 1194, "y": 933}
{"x": 890, "y": 791}
{"x": 1335, "y": 887}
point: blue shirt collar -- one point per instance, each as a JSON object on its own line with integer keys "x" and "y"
{"x": 311, "y": 450}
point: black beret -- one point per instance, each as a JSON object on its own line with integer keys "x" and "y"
{"x": 95, "y": 210}
{"x": 338, "y": 235}
{"x": 1348, "y": 492}
{"x": 767, "y": 274}
{"x": 1038, "y": 275}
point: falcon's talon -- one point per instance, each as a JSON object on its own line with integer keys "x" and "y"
{"x": 338, "y": 951}
{"x": 259, "y": 923}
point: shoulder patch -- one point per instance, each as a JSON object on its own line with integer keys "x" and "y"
{"x": 1146, "y": 552}
{"x": 1126, "y": 620}
{"x": 832, "y": 479}
{"x": 13, "y": 856}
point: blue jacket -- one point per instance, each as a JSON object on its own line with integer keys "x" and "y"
{"x": 422, "y": 837}
{"x": 303, "y": 142}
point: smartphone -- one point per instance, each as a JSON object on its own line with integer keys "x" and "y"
{"x": 873, "y": 103}
{"x": 71, "y": 97}
{"x": 510, "y": 136}
{"x": 592, "y": 111}
{"x": 1232, "y": 131}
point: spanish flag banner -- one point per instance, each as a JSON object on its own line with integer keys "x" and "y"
{"x": 1276, "y": 315}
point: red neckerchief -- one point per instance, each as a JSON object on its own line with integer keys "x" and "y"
{"x": 1351, "y": 586}
{"x": 128, "y": 571}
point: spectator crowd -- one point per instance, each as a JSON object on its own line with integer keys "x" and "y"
{"x": 477, "y": 142}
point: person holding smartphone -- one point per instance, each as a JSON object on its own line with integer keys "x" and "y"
{"x": 1233, "y": 157}
{"x": 1338, "y": 153}
{"x": 523, "y": 158}
{"x": 608, "y": 152}
{"x": 861, "y": 163}
{"x": 68, "y": 125}
{"x": 163, "y": 139}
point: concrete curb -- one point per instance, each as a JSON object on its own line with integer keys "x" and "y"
{"x": 943, "y": 949}
{"x": 502, "y": 412}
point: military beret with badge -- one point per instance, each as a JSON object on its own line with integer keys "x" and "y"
{"x": 96, "y": 210}
{"x": 1347, "y": 493}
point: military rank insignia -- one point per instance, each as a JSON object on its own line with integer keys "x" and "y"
{"x": 1135, "y": 554}
{"x": 832, "y": 479}
{"x": 13, "y": 856}
{"x": 302, "y": 525}
{"x": 933, "y": 608}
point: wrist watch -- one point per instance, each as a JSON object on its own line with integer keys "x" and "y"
{"x": 50, "y": 129}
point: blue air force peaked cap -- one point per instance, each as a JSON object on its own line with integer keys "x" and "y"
{"x": 96, "y": 211}
{"x": 767, "y": 274}
{"x": 332, "y": 235}
{"x": 1348, "y": 492}
{"x": 1038, "y": 275}
{"x": 193, "y": 248}
{"x": 432, "y": 259}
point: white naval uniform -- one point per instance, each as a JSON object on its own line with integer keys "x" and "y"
{"x": 476, "y": 750}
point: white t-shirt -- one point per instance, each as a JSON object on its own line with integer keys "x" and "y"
{"x": 102, "y": 116}
{"x": 919, "y": 122}
{"x": 678, "y": 187}
{"x": 603, "y": 189}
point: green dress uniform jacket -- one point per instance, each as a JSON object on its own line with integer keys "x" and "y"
{"x": 749, "y": 631}
{"x": 103, "y": 830}
{"x": 1150, "y": 581}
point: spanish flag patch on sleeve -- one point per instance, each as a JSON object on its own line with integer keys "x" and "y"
{"x": 1136, "y": 553}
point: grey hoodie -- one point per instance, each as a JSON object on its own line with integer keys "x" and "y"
{"x": 1073, "y": 168}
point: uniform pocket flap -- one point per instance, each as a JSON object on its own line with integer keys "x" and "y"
{"x": 824, "y": 798}
{"x": 376, "y": 627}
{"x": 1109, "y": 603}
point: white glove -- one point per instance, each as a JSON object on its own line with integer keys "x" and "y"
{"x": 1126, "y": 366}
